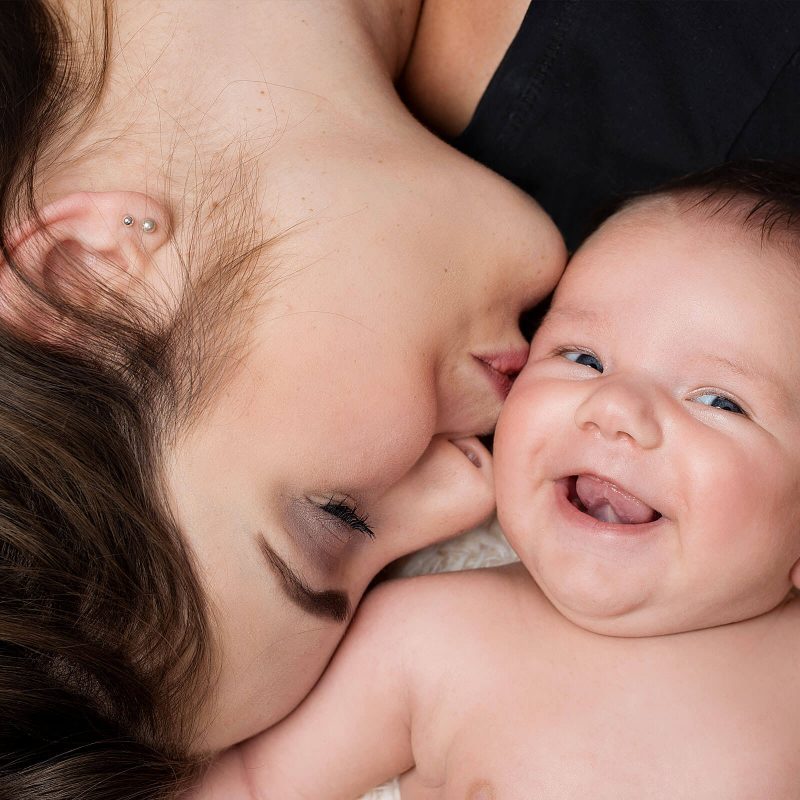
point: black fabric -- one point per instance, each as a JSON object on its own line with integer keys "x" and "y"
{"x": 597, "y": 99}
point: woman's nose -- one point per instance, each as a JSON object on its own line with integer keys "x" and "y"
{"x": 619, "y": 408}
{"x": 541, "y": 257}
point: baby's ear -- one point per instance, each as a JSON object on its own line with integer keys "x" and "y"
{"x": 82, "y": 243}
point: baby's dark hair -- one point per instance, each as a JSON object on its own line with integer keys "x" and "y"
{"x": 760, "y": 195}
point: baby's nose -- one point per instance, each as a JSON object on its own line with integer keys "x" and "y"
{"x": 619, "y": 409}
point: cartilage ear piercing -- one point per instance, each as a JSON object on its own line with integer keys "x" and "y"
{"x": 127, "y": 220}
{"x": 148, "y": 225}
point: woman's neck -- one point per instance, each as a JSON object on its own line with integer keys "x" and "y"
{"x": 186, "y": 81}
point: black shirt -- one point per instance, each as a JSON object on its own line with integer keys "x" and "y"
{"x": 597, "y": 99}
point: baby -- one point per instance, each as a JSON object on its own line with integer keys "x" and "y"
{"x": 647, "y": 464}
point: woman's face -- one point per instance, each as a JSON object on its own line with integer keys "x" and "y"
{"x": 390, "y": 318}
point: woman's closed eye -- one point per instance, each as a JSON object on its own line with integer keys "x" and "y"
{"x": 347, "y": 512}
{"x": 582, "y": 357}
{"x": 327, "y": 527}
{"x": 721, "y": 401}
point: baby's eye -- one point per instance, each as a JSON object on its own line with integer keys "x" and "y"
{"x": 719, "y": 401}
{"x": 579, "y": 357}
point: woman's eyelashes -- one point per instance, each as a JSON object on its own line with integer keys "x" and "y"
{"x": 347, "y": 512}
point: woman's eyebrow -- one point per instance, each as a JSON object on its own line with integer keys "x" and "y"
{"x": 327, "y": 604}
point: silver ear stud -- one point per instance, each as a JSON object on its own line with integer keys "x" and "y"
{"x": 148, "y": 225}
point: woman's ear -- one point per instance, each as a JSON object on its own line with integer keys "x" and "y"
{"x": 90, "y": 240}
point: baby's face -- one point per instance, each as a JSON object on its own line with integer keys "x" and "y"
{"x": 648, "y": 457}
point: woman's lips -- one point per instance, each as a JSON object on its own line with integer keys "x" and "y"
{"x": 503, "y": 367}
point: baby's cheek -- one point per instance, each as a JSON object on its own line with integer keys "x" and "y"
{"x": 516, "y": 447}
{"x": 534, "y": 425}
{"x": 523, "y": 419}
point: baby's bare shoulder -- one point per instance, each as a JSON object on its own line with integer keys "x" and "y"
{"x": 470, "y": 624}
{"x": 428, "y": 623}
{"x": 455, "y": 604}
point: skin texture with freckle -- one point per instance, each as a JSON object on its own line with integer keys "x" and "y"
{"x": 481, "y": 790}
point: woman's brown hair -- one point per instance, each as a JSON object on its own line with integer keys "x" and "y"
{"x": 104, "y": 639}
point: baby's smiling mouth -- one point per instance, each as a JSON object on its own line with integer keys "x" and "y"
{"x": 607, "y": 502}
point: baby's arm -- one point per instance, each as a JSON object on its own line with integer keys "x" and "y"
{"x": 351, "y": 733}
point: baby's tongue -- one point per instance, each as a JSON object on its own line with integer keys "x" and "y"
{"x": 606, "y": 502}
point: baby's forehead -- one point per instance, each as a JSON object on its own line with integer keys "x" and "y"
{"x": 665, "y": 253}
{"x": 745, "y": 218}
{"x": 765, "y": 237}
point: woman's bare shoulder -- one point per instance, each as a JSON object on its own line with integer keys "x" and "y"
{"x": 456, "y": 50}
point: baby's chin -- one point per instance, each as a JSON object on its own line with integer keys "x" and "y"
{"x": 632, "y": 625}
{"x": 607, "y": 614}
